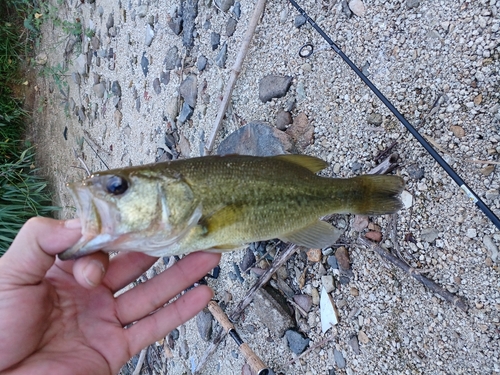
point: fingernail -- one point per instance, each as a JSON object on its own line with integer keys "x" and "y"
{"x": 93, "y": 273}
{"x": 73, "y": 224}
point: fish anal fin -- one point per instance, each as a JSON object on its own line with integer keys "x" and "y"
{"x": 317, "y": 235}
{"x": 225, "y": 248}
{"x": 310, "y": 162}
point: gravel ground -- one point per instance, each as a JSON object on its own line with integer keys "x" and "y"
{"x": 436, "y": 61}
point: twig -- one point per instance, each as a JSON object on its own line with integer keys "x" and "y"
{"x": 315, "y": 346}
{"x": 453, "y": 299}
{"x": 387, "y": 165}
{"x": 234, "y": 316}
{"x": 140, "y": 362}
{"x": 482, "y": 161}
{"x": 235, "y": 71}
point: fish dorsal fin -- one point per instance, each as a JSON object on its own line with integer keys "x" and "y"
{"x": 317, "y": 235}
{"x": 312, "y": 163}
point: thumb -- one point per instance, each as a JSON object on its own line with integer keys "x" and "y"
{"x": 34, "y": 249}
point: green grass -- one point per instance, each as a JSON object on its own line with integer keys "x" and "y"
{"x": 23, "y": 193}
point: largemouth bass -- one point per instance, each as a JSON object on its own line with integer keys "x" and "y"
{"x": 221, "y": 203}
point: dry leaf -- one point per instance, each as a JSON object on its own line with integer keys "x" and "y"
{"x": 478, "y": 99}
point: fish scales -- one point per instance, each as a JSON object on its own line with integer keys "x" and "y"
{"x": 221, "y": 203}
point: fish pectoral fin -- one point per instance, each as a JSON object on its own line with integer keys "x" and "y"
{"x": 310, "y": 162}
{"x": 317, "y": 235}
{"x": 221, "y": 218}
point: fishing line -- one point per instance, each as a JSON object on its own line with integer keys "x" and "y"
{"x": 458, "y": 180}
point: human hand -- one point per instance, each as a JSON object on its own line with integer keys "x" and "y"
{"x": 62, "y": 317}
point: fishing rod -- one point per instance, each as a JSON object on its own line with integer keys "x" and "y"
{"x": 458, "y": 180}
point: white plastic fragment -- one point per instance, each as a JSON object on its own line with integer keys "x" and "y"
{"x": 328, "y": 311}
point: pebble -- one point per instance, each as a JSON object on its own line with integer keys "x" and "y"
{"x": 273, "y": 86}
{"x": 357, "y": 7}
{"x": 247, "y": 261}
{"x": 415, "y": 172}
{"x": 237, "y": 9}
{"x": 184, "y": 349}
{"x": 77, "y": 78}
{"x": 110, "y": 22}
{"x": 354, "y": 344}
{"x": 116, "y": 89}
{"x": 271, "y": 314}
{"x": 328, "y": 283}
{"x": 354, "y": 292}
{"x": 144, "y": 64}
{"x": 221, "y": 57}
{"x": 283, "y": 119}
{"x": 345, "y": 9}
{"x": 363, "y": 338}
{"x": 360, "y": 223}
{"x": 375, "y": 119}
{"x": 301, "y": 131}
{"x": 165, "y": 77}
{"x": 304, "y": 301}
{"x": 188, "y": 90}
{"x": 339, "y": 358}
{"x": 175, "y": 24}
{"x": 412, "y": 3}
{"x": 99, "y": 89}
{"x": 138, "y": 104}
{"x": 258, "y": 139}
{"x": 150, "y": 33}
{"x": 214, "y": 40}
{"x": 157, "y": 86}
{"x": 314, "y": 255}
{"x": 117, "y": 116}
{"x": 332, "y": 262}
{"x": 471, "y": 233}
{"x": 171, "y": 57}
{"x": 374, "y": 236}
{"x": 342, "y": 256}
{"x": 457, "y": 131}
{"x": 81, "y": 65}
{"x": 491, "y": 247}
{"x": 186, "y": 113}
{"x": 315, "y": 296}
{"x": 189, "y": 14}
{"x": 204, "y": 324}
{"x": 231, "y": 26}
{"x": 296, "y": 341}
{"x": 299, "y": 21}
{"x": 429, "y": 234}
{"x": 225, "y": 5}
{"x": 201, "y": 63}
{"x": 407, "y": 199}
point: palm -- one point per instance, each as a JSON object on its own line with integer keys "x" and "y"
{"x": 58, "y": 326}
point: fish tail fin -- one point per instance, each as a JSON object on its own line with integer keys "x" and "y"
{"x": 374, "y": 194}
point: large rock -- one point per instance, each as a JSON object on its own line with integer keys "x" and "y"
{"x": 271, "y": 313}
{"x": 257, "y": 139}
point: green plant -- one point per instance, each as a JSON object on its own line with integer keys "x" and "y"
{"x": 23, "y": 194}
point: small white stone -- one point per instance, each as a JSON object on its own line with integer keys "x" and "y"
{"x": 327, "y": 282}
{"x": 407, "y": 199}
{"x": 471, "y": 233}
{"x": 329, "y": 314}
{"x": 357, "y": 7}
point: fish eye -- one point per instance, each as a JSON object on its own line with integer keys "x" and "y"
{"x": 116, "y": 185}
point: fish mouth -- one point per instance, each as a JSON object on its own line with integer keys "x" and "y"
{"x": 97, "y": 218}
